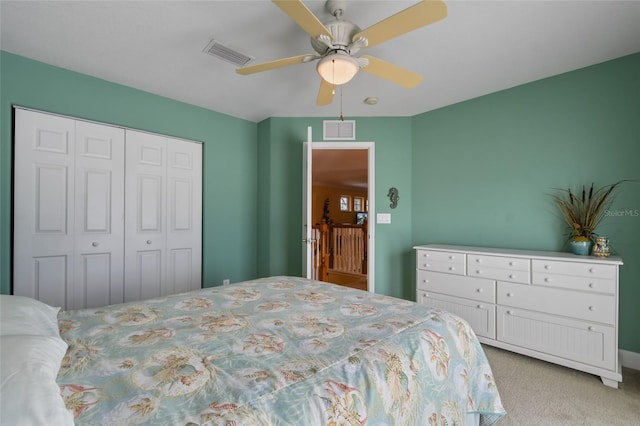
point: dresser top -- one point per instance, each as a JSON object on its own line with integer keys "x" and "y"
{"x": 529, "y": 254}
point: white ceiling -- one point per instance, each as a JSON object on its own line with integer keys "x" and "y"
{"x": 481, "y": 47}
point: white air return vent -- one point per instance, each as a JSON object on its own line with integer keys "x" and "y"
{"x": 226, "y": 53}
{"x": 338, "y": 130}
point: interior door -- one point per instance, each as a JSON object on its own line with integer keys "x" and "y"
{"x": 99, "y": 216}
{"x": 184, "y": 216}
{"x": 68, "y": 210}
{"x": 145, "y": 222}
{"x": 43, "y": 241}
{"x": 307, "y": 240}
{"x": 307, "y": 178}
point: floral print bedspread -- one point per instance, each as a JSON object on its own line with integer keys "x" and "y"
{"x": 274, "y": 351}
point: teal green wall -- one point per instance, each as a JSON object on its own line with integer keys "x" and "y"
{"x": 229, "y": 148}
{"x": 482, "y": 169}
{"x": 280, "y": 165}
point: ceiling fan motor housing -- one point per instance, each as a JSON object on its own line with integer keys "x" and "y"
{"x": 342, "y": 33}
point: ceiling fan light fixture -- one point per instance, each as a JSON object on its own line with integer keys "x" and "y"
{"x": 337, "y": 68}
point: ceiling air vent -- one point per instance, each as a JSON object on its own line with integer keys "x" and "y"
{"x": 339, "y": 130}
{"x": 226, "y": 53}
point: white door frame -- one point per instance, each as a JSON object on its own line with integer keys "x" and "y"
{"x": 371, "y": 190}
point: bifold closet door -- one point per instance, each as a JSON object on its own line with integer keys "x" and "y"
{"x": 68, "y": 211}
{"x": 163, "y": 218}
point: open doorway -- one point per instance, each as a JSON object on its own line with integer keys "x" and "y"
{"x": 340, "y": 214}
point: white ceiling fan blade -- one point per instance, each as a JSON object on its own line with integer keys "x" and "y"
{"x": 278, "y": 63}
{"x": 303, "y": 17}
{"x": 391, "y": 72}
{"x": 424, "y": 13}
{"x": 325, "y": 94}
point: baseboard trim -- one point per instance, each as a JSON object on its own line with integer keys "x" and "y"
{"x": 629, "y": 359}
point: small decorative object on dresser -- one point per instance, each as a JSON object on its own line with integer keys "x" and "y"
{"x": 549, "y": 305}
{"x": 583, "y": 211}
{"x": 601, "y": 247}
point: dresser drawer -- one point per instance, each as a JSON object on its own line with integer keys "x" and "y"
{"x": 501, "y": 262}
{"x": 587, "y": 306}
{"x": 589, "y": 270}
{"x": 441, "y": 261}
{"x": 498, "y": 274}
{"x": 596, "y": 285}
{"x": 455, "y": 285}
{"x": 480, "y": 316}
{"x": 574, "y": 340}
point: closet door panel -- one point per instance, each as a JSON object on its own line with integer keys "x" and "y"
{"x": 145, "y": 229}
{"x": 184, "y": 210}
{"x": 43, "y": 243}
{"x": 99, "y": 224}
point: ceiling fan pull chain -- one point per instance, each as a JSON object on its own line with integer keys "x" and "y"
{"x": 341, "y": 118}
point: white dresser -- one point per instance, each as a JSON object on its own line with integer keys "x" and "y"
{"x": 557, "y": 307}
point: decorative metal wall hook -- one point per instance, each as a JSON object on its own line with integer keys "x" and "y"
{"x": 393, "y": 196}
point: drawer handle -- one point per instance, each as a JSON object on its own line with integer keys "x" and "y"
{"x": 480, "y": 306}
{"x": 149, "y": 242}
{"x": 479, "y": 290}
{"x": 425, "y": 281}
{"x": 509, "y": 294}
{"x": 592, "y": 308}
{"x": 512, "y": 263}
{"x": 592, "y": 270}
{"x": 451, "y": 268}
{"x": 451, "y": 257}
{"x": 590, "y": 328}
{"x": 512, "y": 276}
{"x": 95, "y": 244}
{"x": 478, "y": 271}
{"x": 547, "y": 280}
{"x": 509, "y": 312}
{"x": 547, "y": 267}
{"x": 592, "y": 285}
{"x": 478, "y": 260}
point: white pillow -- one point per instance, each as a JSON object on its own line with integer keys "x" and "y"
{"x": 29, "y": 394}
{"x": 24, "y": 315}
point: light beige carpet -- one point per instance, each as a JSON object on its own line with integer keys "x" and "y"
{"x": 535, "y": 392}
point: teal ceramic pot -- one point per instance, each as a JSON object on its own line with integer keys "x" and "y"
{"x": 582, "y": 248}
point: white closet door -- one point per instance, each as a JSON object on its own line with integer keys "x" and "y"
{"x": 43, "y": 207}
{"x": 145, "y": 221}
{"x": 184, "y": 213}
{"x": 68, "y": 211}
{"x": 99, "y": 217}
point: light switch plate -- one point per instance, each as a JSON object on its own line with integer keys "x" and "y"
{"x": 383, "y": 218}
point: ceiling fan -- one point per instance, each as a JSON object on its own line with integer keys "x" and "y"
{"x": 336, "y": 42}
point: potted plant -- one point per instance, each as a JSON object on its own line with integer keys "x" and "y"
{"x": 583, "y": 211}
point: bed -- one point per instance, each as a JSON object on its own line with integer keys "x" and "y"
{"x": 271, "y": 351}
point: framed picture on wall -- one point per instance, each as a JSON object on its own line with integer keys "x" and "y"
{"x": 361, "y": 218}
{"x": 358, "y": 204}
{"x": 345, "y": 203}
